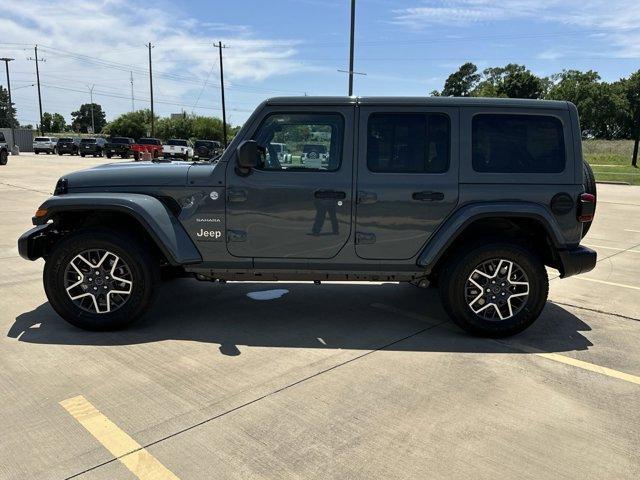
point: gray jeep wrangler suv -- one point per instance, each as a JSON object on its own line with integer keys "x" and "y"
{"x": 475, "y": 195}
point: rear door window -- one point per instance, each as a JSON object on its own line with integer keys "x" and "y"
{"x": 504, "y": 143}
{"x": 408, "y": 142}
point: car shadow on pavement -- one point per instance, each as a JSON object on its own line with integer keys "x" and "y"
{"x": 338, "y": 316}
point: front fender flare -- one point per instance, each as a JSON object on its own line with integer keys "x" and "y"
{"x": 463, "y": 217}
{"x": 163, "y": 227}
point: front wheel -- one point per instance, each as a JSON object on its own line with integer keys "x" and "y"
{"x": 494, "y": 290}
{"x": 98, "y": 279}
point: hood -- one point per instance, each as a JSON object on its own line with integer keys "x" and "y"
{"x": 128, "y": 174}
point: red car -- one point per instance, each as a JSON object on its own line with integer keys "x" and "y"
{"x": 147, "y": 145}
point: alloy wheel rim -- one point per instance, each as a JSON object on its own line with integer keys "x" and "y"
{"x": 497, "y": 289}
{"x": 98, "y": 281}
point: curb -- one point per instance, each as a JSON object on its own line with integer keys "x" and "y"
{"x": 613, "y": 182}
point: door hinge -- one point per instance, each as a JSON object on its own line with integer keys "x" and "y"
{"x": 236, "y": 236}
{"x": 365, "y": 238}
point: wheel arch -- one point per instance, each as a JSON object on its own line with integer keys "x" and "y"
{"x": 143, "y": 215}
{"x": 522, "y": 222}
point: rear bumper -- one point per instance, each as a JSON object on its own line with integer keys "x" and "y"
{"x": 576, "y": 261}
{"x": 33, "y": 243}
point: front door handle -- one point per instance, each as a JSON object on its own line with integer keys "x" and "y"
{"x": 330, "y": 194}
{"x": 428, "y": 196}
{"x": 236, "y": 195}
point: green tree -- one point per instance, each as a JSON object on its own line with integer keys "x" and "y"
{"x": 81, "y": 119}
{"x": 180, "y": 126}
{"x": 512, "y": 81}
{"x": 58, "y": 123}
{"x": 601, "y": 105}
{"x": 462, "y": 82}
{"x": 133, "y": 124}
{"x": 7, "y": 112}
{"x": 631, "y": 89}
{"x": 46, "y": 123}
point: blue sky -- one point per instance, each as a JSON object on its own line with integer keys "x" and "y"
{"x": 286, "y": 47}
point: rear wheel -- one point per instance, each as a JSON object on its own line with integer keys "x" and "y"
{"x": 98, "y": 279}
{"x": 4, "y": 157}
{"x": 494, "y": 290}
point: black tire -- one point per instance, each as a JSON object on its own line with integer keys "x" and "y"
{"x": 36, "y": 152}
{"x": 124, "y": 155}
{"x": 108, "y": 155}
{"x": 4, "y": 157}
{"x": 82, "y": 155}
{"x": 589, "y": 187}
{"x": 144, "y": 275}
{"x": 457, "y": 273}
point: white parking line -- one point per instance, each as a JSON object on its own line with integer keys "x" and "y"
{"x": 587, "y": 279}
{"x": 611, "y": 248}
{"x": 631, "y": 230}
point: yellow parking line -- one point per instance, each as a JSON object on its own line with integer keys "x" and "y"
{"x": 574, "y": 362}
{"x": 138, "y": 460}
{"x": 587, "y": 279}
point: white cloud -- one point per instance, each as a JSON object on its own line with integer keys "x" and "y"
{"x": 615, "y": 20}
{"x": 100, "y": 41}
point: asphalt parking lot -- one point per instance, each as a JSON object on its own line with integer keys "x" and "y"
{"x": 354, "y": 381}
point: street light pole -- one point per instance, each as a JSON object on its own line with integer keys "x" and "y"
{"x": 224, "y": 110}
{"x": 93, "y": 125}
{"x": 351, "y": 44}
{"x": 153, "y": 128}
{"x": 6, "y": 64}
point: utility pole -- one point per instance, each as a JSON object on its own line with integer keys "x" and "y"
{"x": 6, "y": 64}
{"x": 93, "y": 124}
{"x": 224, "y": 111}
{"x": 38, "y": 79}
{"x": 351, "y": 43}
{"x": 153, "y": 128}
{"x": 133, "y": 107}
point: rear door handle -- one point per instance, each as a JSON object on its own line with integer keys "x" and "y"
{"x": 333, "y": 194}
{"x": 428, "y": 196}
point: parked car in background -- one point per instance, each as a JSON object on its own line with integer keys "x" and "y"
{"x": 281, "y": 152}
{"x": 147, "y": 145}
{"x": 177, "y": 148}
{"x": 119, "y": 146}
{"x": 206, "y": 149}
{"x": 92, "y": 146}
{"x": 314, "y": 155}
{"x": 68, "y": 145}
{"x": 4, "y": 150}
{"x": 46, "y": 145}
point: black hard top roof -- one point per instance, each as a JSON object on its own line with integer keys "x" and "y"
{"x": 425, "y": 101}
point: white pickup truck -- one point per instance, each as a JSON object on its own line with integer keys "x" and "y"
{"x": 177, "y": 148}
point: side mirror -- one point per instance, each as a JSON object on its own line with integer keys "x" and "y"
{"x": 248, "y": 154}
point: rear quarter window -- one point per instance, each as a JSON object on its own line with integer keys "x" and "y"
{"x": 508, "y": 143}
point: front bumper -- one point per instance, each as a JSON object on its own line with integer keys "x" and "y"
{"x": 33, "y": 243}
{"x": 576, "y": 261}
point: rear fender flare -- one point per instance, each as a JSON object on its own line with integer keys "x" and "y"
{"x": 163, "y": 227}
{"x": 455, "y": 225}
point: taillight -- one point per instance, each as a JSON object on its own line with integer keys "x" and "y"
{"x": 586, "y": 207}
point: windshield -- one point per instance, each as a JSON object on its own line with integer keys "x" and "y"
{"x": 120, "y": 140}
{"x": 179, "y": 143}
{"x": 65, "y": 140}
{"x": 204, "y": 143}
{"x": 149, "y": 141}
{"x": 88, "y": 140}
{"x": 42, "y": 139}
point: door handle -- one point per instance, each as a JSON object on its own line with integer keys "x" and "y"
{"x": 428, "y": 196}
{"x": 332, "y": 194}
{"x": 236, "y": 195}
